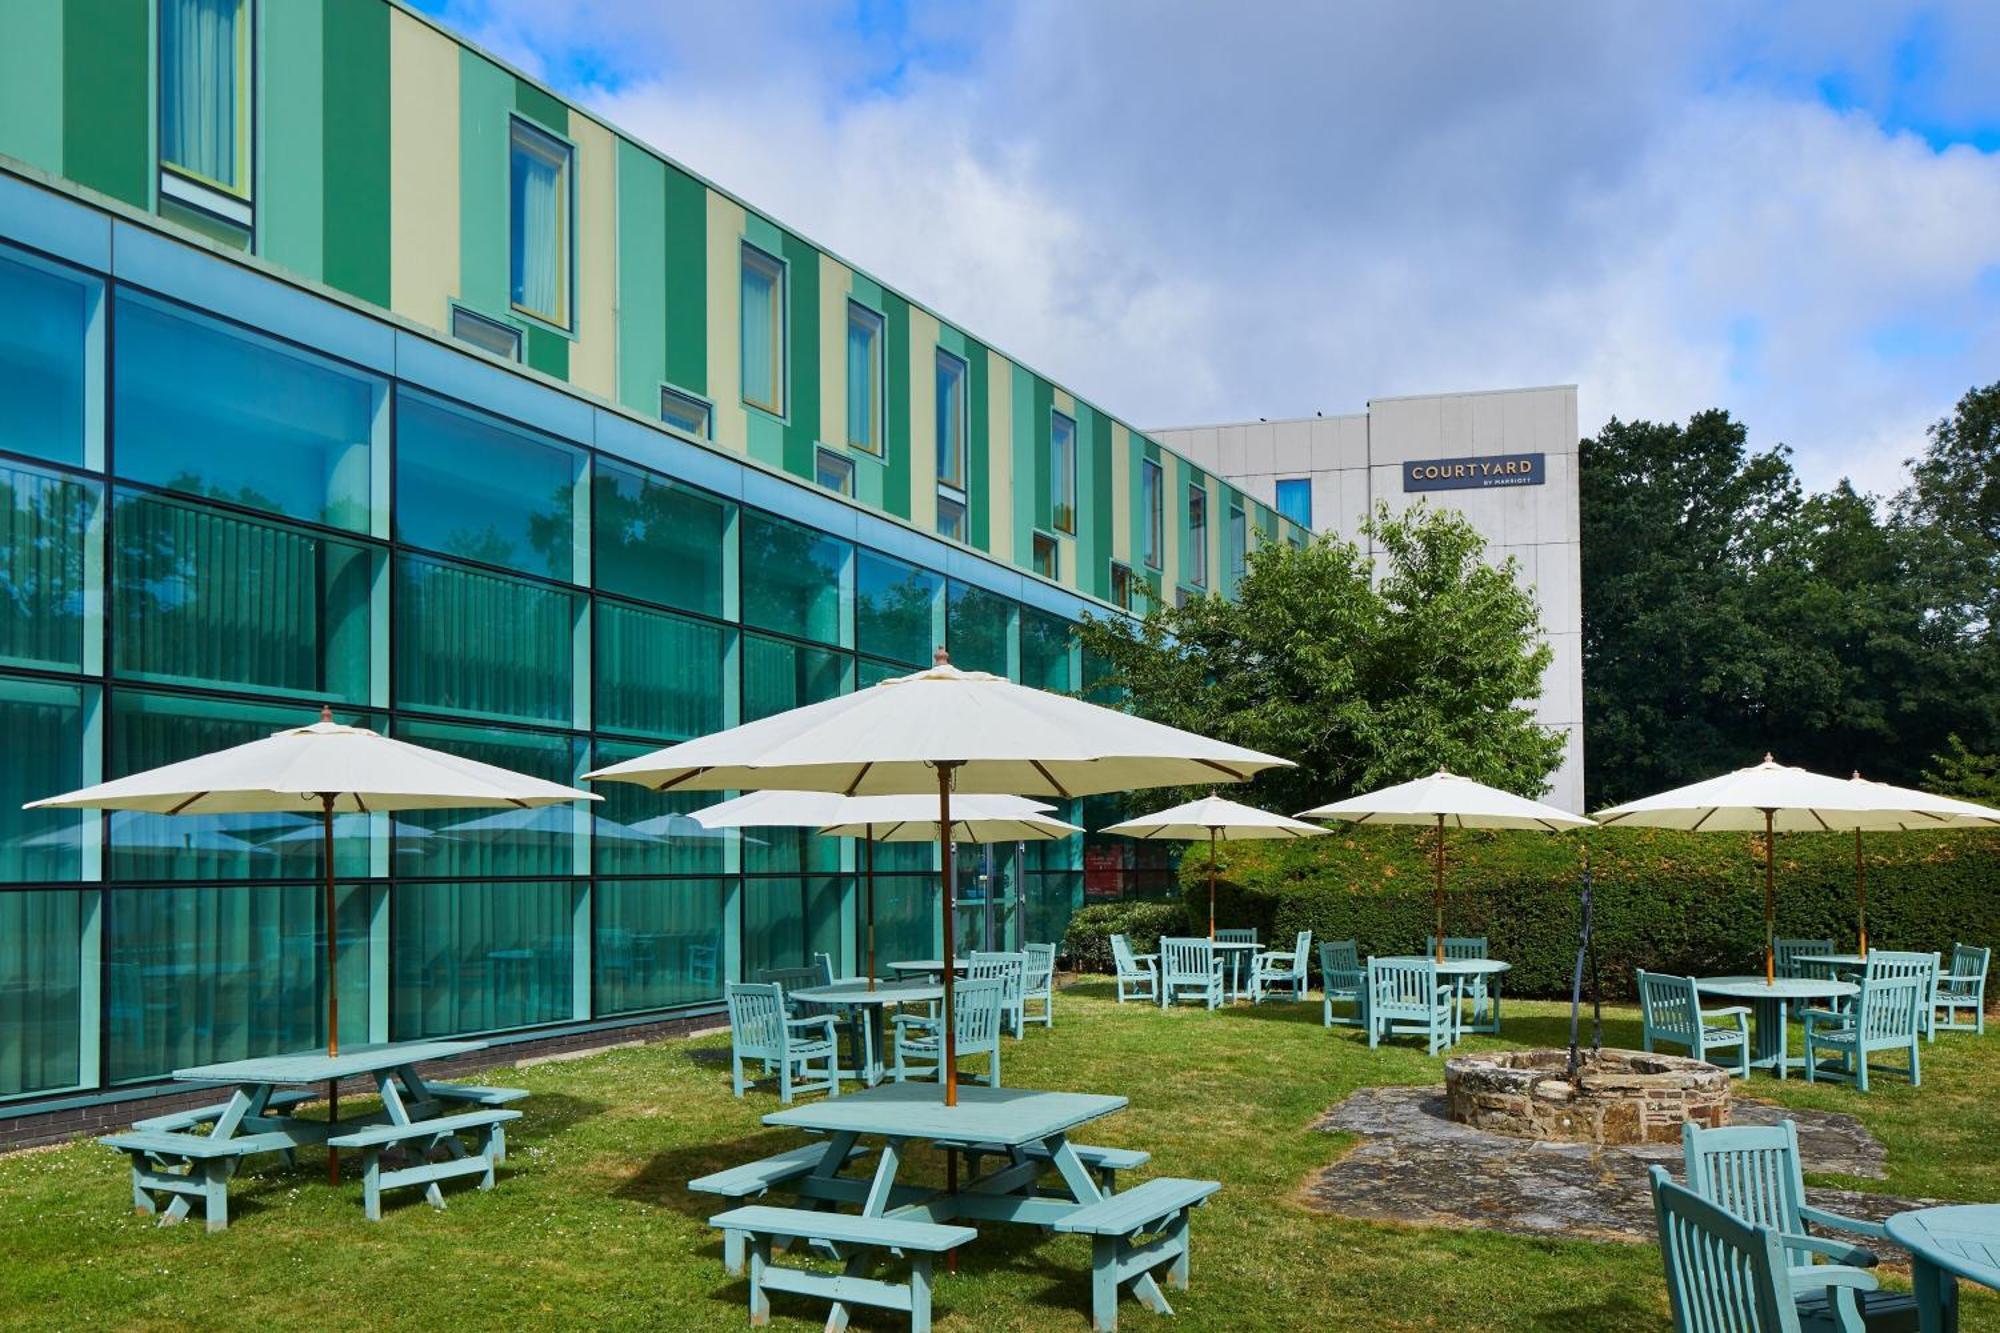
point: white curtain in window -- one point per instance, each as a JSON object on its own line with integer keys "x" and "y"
{"x": 199, "y": 44}
{"x": 860, "y": 382}
{"x": 538, "y": 226}
{"x": 760, "y": 332}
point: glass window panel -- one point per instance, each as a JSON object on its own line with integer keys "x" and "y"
{"x": 480, "y": 957}
{"x": 470, "y": 486}
{"x": 200, "y": 973}
{"x": 43, "y": 360}
{"x": 45, "y": 521}
{"x": 148, "y": 730}
{"x": 473, "y": 844}
{"x": 638, "y": 831}
{"x": 1062, "y": 472}
{"x": 658, "y": 540}
{"x": 44, "y": 725}
{"x": 503, "y": 340}
{"x": 205, "y": 90}
{"x": 833, "y": 472}
{"x": 1295, "y": 499}
{"x": 950, "y": 516}
{"x": 1152, "y": 490}
{"x": 208, "y": 410}
{"x": 774, "y": 924}
{"x": 686, "y": 413}
{"x": 41, "y": 990}
{"x": 864, "y": 378}
{"x": 1239, "y": 543}
{"x": 657, "y": 943}
{"x": 1197, "y": 517}
{"x": 778, "y": 675}
{"x": 1045, "y": 655}
{"x": 763, "y": 330}
{"x": 950, "y": 419}
{"x": 829, "y": 907}
{"x": 905, "y": 915}
{"x": 980, "y": 629}
{"x": 658, "y": 674}
{"x": 1046, "y": 557}
{"x": 1121, "y": 587}
{"x": 868, "y": 673}
{"x": 895, "y": 608}
{"x": 539, "y": 203}
{"x": 481, "y": 644}
{"x": 203, "y": 596}
{"x": 793, "y": 578}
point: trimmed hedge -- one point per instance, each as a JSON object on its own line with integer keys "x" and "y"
{"x": 1087, "y": 944}
{"x": 1665, "y": 901}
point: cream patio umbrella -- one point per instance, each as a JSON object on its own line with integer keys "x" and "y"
{"x": 1447, "y": 799}
{"x": 936, "y": 729}
{"x": 1918, "y": 810}
{"x": 1212, "y": 817}
{"x": 884, "y": 819}
{"x": 324, "y": 769}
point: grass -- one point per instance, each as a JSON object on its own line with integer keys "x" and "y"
{"x": 591, "y": 1223}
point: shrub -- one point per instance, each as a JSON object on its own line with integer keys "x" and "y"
{"x": 1088, "y": 942}
{"x": 1665, "y": 901}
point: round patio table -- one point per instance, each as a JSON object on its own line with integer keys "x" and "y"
{"x": 1946, "y": 1244}
{"x": 1462, "y": 971}
{"x": 873, "y": 1005}
{"x": 1241, "y": 956}
{"x": 1770, "y": 1002}
{"x": 933, "y": 966}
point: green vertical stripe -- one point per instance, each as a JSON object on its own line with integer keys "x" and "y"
{"x": 1037, "y": 457}
{"x": 1095, "y": 504}
{"x": 642, "y": 278}
{"x": 539, "y": 106}
{"x": 979, "y": 481}
{"x": 1023, "y": 446}
{"x": 802, "y": 355}
{"x": 485, "y": 95}
{"x": 291, "y": 196}
{"x": 106, "y": 89}
{"x": 686, "y": 257}
{"x": 547, "y": 351}
{"x": 31, "y": 86}
{"x": 356, "y": 240}
{"x": 896, "y": 417}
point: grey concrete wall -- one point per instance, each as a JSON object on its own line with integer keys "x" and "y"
{"x": 1355, "y": 461}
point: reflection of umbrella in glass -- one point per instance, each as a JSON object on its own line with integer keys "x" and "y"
{"x": 1448, "y": 798}
{"x": 935, "y": 729}
{"x": 150, "y": 835}
{"x": 1212, "y": 817}
{"x": 549, "y": 820}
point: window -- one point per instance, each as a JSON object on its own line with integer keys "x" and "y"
{"x": 950, "y": 420}
{"x": 1239, "y": 542}
{"x": 950, "y": 514}
{"x": 205, "y": 102}
{"x": 1295, "y": 500}
{"x": 474, "y": 643}
{"x": 979, "y": 628}
{"x": 864, "y": 378}
{"x": 50, "y": 363}
{"x": 897, "y": 609}
{"x": 1121, "y": 586}
{"x": 635, "y": 696}
{"x": 658, "y": 540}
{"x": 473, "y": 486}
{"x": 540, "y": 203}
{"x": 763, "y": 330}
{"x": 1062, "y": 472}
{"x": 834, "y": 472}
{"x": 1047, "y": 559}
{"x": 686, "y": 413}
{"x": 1197, "y": 520}
{"x": 1152, "y": 497}
{"x": 1045, "y": 655}
{"x": 795, "y": 579}
{"x": 488, "y": 335}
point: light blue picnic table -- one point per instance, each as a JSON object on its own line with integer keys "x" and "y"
{"x": 872, "y": 1002}
{"x": 390, "y": 1063}
{"x": 1945, "y": 1245}
{"x": 1770, "y": 1002}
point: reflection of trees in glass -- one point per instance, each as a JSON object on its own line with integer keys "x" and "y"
{"x": 41, "y": 576}
{"x": 893, "y": 609}
{"x": 657, "y": 540}
{"x": 791, "y": 578}
{"x": 249, "y": 497}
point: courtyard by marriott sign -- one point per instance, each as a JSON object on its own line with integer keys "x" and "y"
{"x": 1464, "y": 474}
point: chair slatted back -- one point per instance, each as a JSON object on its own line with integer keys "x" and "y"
{"x": 1236, "y": 935}
{"x": 1402, "y": 987}
{"x": 1886, "y": 963}
{"x": 1670, "y": 1006}
{"x": 1785, "y": 954}
{"x": 1121, "y": 955}
{"x": 1969, "y": 960}
{"x": 1723, "y": 1275}
{"x": 1751, "y": 1171}
{"x": 1009, "y": 969}
{"x": 1041, "y": 967}
{"x": 757, "y": 1018}
{"x": 1888, "y": 1009}
{"x": 976, "y": 1007}
{"x": 789, "y": 978}
{"x": 1186, "y": 957}
{"x": 1339, "y": 956}
{"x": 1458, "y": 947}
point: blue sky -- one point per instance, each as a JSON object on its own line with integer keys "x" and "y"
{"x": 1210, "y": 212}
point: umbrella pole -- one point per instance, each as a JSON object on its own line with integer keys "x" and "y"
{"x": 1439, "y": 892}
{"x": 1770, "y": 906}
{"x": 949, "y": 1046}
{"x": 868, "y": 854}
{"x": 1211, "y": 886}
{"x": 1861, "y": 894}
{"x": 332, "y": 985}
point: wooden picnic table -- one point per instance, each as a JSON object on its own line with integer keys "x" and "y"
{"x": 258, "y": 1077}
{"x": 871, "y": 1004}
{"x": 1770, "y": 1002}
{"x": 1945, "y": 1245}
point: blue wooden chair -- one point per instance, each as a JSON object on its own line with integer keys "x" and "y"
{"x": 1011, "y": 971}
{"x": 978, "y": 1010}
{"x": 1670, "y": 1011}
{"x": 1727, "y": 1276}
{"x": 803, "y": 1052}
{"x": 1962, "y": 988}
{"x": 1754, "y": 1172}
{"x": 1138, "y": 973}
{"x": 1925, "y": 967}
{"x": 1234, "y": 960}
{"x": 1343, "y": 980}
{"x": 1480, "y": 993}
{"x": 1786, "y": 952}
{"x": 1040, "y": 984}
{"x": 1405, "y": 999}
{"x": 1884, "y": 1015}
{"x": 1286, "y": 969}
{"x": 1190, "y": 968}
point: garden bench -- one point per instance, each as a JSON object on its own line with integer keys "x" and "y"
{"x": 484, "y": 1124}
{"x": 1105, "y": 1162}
{"x": 189, "y": 1167}
{"x": 1157, "y": 1207}
{"x": 477, "y": 1096}
{"x": 850, "y": 1238}
{"x": 753, "y": 1179}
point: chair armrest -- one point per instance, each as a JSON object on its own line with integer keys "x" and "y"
{"x": 1829, "y": 1015}
{"x": 1839, "y": 1251}
{"x": 1841, "y": 1222}
{"x": 1733, "y": 1011}
{"x": 1833, "y": 1275}
{"x": 817, "y": 1020}
{"x": 1145, "y": 958}
{"x": 1960, "y": 978}
{"x": 1445, "y": 992}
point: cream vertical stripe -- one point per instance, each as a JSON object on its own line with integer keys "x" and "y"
{"x": 725, "y": 347}
{"x": 423, "y": 171}
{"x": 836, "y": 281}
{"x": 923, "y": 419}
{"x": 1000, "y": 456}
{"x": 593, "y": 363}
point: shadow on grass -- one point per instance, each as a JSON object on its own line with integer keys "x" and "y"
{"x": 1613, "y": 1312}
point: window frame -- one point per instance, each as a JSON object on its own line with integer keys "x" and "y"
{"x": 781, "y": 296}
{"x": 841, "y": 465}
{"x": 1062, "y": 473}
{"x": 1122, "y": 576}
{"x": 1039, "y": 542}
{"x": 675, "y": 392}
{"x": 1235, "y": 547}
{"x": 1278, "y": 498}
{"x": 1197, "y": 573}
{"x": 1153, "y": 495}
{"x": 948, "y": 495}
{"x": 183, "y": 185}
{"x": 961, "y": 421}
{"x": 878, "y": 380}
{"x": 517, "y": 124}
{"x": 459, "y": 308}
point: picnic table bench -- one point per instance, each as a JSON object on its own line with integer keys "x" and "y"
{"x": 427, "y": 1135}
{"x": 1159, "y": 1208}
{"x": 855, "y": 1240}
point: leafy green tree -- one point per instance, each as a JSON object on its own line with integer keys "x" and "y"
{"x": 1363, "y": 677}
{"x": 1957, "y": 771}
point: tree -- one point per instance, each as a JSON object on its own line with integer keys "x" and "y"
{"x": 1957, "y": 771}
{"x": 1362, "y": 679}
{"x": 1954, "y": 494}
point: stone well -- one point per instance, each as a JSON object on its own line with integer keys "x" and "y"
{"x": 1618, "y": 1096}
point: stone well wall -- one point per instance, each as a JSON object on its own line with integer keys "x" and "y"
{"x": 1618, "y": 1097}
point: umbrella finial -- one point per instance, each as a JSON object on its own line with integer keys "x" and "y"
{"x": 1768, "y": 759}
{"x": 940, "y": 658}
{"x": 326, "y": 712}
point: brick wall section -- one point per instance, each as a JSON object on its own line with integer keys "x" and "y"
{"x": 28, "y": 1131}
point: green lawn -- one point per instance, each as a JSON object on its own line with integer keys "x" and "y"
{"x": 591, "y": 1223}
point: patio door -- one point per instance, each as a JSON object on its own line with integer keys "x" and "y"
{"x": 988, "y": 887}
